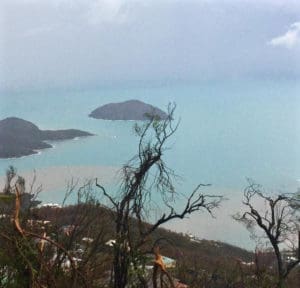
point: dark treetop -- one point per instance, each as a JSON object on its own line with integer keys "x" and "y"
{"x": 128, "y": 110}
{"x": 19, "y": 137}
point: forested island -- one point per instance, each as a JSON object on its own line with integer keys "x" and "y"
{"x": 128, "y": 110}
{"x": 19, "y": 137}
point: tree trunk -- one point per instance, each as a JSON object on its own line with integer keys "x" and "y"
{"x": 120, "y": 268}
{"x": 121, "y": 258}
{"x": 280, "y": 269}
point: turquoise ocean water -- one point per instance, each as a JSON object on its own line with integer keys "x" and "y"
{"x": 228, "y": 132}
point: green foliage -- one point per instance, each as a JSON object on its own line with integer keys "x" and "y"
{"x": 7, "y": 198}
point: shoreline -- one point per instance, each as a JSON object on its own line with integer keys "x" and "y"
{"x": 40, "y": 151}
{"x": 56, "y": 180}
{"x": 58, "y": 177}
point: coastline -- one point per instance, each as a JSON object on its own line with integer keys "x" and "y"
{"x": 40, "y": 151}
{"x": 58, "y": 177}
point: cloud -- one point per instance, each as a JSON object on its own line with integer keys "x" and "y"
{"x": 87, "y": 43}
{"x": 290, "y": 39}
{"x": 93, "y": 11}
{"x": 39, "y": 30}
{"x": 107, "y": 11}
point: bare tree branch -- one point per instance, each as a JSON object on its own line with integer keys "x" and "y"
{"x": 277, "y": 221}
{"x": 144, "y": 175}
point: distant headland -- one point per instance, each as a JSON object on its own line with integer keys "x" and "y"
{"x": 19, "y": 137}
{"x": 128, "y": 110}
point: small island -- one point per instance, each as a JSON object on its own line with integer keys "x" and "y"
{"x": 128, "y": 110}
{"x": 19, "y": 137}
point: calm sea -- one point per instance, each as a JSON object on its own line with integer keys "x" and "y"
{"x": 228, "y": 132}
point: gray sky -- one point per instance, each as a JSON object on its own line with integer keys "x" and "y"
{"x": 85, "y": 43}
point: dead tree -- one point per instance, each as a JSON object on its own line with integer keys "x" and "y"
{"x": 142, "y": 177}
{"x": 277, "y": 220}
{"x": 159, "y": 269}
{"x": 36, "y": 254}
{"x": 10, "y": 174}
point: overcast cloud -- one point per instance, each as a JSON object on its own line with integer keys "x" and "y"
{"x": 85, "y": 43}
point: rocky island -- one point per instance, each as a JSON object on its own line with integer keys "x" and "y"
{"x": 19, "y": 137}
{"x": 128, "y": 110}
